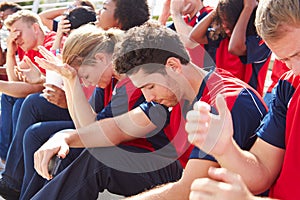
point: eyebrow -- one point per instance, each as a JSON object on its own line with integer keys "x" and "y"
{"x": 289, "y": 57}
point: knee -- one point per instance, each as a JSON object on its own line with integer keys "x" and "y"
{"x": 32, "y": 101}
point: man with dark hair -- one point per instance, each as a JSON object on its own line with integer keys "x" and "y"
{"x": 156, "y": 61}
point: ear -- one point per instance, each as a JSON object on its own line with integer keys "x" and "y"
{"x": 174, "y": 64}
{"x": 102, "y": 57}
{"x": 36, "y": 27}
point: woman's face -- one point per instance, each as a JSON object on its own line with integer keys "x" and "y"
{"x": 105, "y": 16}
{"x": 99, "y": 74}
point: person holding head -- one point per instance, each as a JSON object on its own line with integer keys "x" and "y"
{"x": 49, "y": 16}
{"x": 6, "y": 9}
{"x": 37, "y": 109}
{"x": 239, "y": 50}
{"x": 271, "y": 162}
{"x": 26, "y": 33}
{"x": 106, "y": 175}
{"x": 146, "y": 54}
{"x": 186, "y": 15}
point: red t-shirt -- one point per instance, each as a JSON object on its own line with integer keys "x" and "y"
{"x": 48, "y": 42}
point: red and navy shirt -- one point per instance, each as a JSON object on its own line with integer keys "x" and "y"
{"x": 251, "y": 68}
{"x": 245, "y": 104}
{"x": 280, "y": 128}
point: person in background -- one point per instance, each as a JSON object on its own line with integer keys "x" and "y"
{"x": 26, "y": 34}
{"x": 49, "y": 16}
{"x": 6, "y": 9}
{"x": 239, "y": 49}
{"x": 36, "y": 108}
{"x": 186, "y": 15}
{"x": 271, "y": 162}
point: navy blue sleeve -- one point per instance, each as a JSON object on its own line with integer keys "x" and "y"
{"x": 96, "y": 100}
{"x": 257, "y": 51}
{"x": 119, "y": 104}
{"x": 273, "y": 126}
{"x": 157, "y": 113}
{"x": 247, "y": 113}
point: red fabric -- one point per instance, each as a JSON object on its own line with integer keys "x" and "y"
{"x": 286, "y": 186}
{"x": 229, "y": 62}
{"x": 279, "y": 68}
{"x": 48, "y": 42}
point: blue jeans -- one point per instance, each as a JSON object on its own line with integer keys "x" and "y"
{"x": 35, "y": 136}
{"x": 10, "y": 107}
{"x": 87, "y": 176}
{"x": 35, "y": 109}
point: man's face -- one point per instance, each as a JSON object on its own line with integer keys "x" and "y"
{"x": 287, "y": 48}
{"x": 157, "y": 87}
{"x": 27, "y": 39}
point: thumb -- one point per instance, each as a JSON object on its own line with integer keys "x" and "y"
{"x": 222, "y": 106}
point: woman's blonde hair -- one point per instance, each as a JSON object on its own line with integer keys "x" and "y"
{"x": 83, "y": 43}
{"x": 273, "y": 16}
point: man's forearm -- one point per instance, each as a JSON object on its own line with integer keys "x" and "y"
{"x": 10, "y": 64}
{"x": 19, "y": 89}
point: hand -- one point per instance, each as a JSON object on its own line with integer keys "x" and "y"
{"x": 211, "y": 133}
{"x": 28, "y": 72}
{"x": 56, "y": 145}
{"x": 163, "y": 17}
{"x": 63, "y": 27}
{"x": 51, "y": 62}
{"x": 12, "y": 46}
{"x": 55, "y": 95}
{"x": 178, "y": 7}
{"x": 222, "y": 185}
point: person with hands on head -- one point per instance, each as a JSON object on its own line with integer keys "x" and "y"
{"x": 6, "y": 9}
{"x": 45, "y": 111}
{"x": 186, "y": 15}
{"x": 103, "y": 133}
{"x": 26, "y": 34}
{"x": 49, "y": 16}
{"x": 271, "y": 161}
{"x": 236, "y": 47}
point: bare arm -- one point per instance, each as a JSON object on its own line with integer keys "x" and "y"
{"x": 19, "y": 89}
{"x": 49, "y": 15}
{"x": 163, "y": 17}
{"x": 259, "y": 168}
{"x": 237, "y": 44}
{"x": 80, "y": 110}
{"x": 196, "y": 168}
{"x": 177, "y": 6}
{"x": 11, "y": 55}
{"x": 198, "y": 34}
{"x": 107, "y": 132}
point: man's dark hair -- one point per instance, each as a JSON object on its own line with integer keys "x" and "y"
{"x": 148, "y": 46}
{"x": 131, "y": 13}
{"x": 14, "y": 7}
